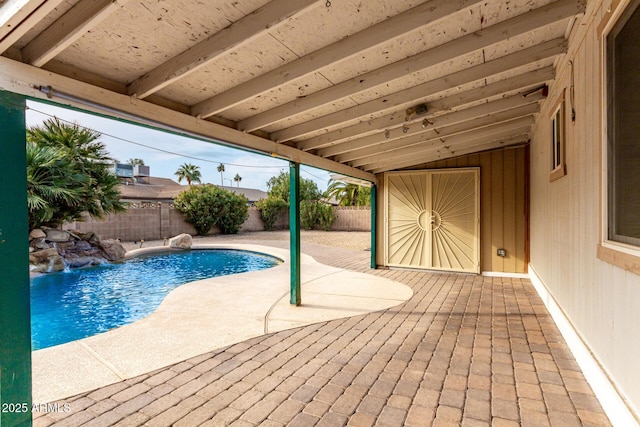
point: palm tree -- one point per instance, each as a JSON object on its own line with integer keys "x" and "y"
{"x": 237, "y": 179}
{"x": 347, "y": 194}
{"x": 221, "y": 169}
{"x": 87, "y": 174}
{"x": 51, "y": 183}
{"x": 189, "y": 172}
{"x": 79, "y": 143}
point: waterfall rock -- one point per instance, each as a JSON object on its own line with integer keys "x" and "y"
{"x": 37, "y": 234}
{"x": 54, "y": 250}
{"x": 54, "y": 235}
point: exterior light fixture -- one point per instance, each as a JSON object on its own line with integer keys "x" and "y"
{"x": 405, "y": 129}
{"x": 418, "y": 110}
{"x": 387, "y": 134}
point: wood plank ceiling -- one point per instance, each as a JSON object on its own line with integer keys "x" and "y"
{"x": 376, "y": 85}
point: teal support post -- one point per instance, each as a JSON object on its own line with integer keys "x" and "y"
{"x": 294, "y": 230}
{"x": 374, "y": 224}
{"x": 15, "y": 313}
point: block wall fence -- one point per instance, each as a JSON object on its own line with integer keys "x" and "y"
{"x": 157, "y": 221}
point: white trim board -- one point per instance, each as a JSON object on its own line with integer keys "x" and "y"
{"x": 505, "y": 274}
{"x": 612, "y": 402}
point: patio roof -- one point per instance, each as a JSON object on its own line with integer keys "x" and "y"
{"x": 353, "y": 87}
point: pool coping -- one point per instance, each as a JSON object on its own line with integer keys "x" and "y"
{"x": 192, "y": 320}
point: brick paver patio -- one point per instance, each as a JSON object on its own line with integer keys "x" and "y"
{"x": 464, "y": 350}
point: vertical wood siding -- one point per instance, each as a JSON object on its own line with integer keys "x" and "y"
{"x": 602, "y": 301}
{"x": 502, "y": 207}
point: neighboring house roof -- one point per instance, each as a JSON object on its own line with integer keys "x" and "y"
{"x": 250, "y": 193}
{"x": 165, "y": 190}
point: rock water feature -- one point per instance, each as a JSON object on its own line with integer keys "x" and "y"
{"x": 54, "y": 250}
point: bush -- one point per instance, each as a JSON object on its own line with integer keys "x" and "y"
{"x": 233, "y": 211}
{"x": 270, "y": 209}
{"x": 205, "y": 206}
{"x": 314, "y": 214}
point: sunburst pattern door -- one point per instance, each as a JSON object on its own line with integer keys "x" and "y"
{"x": 408, "y": 220}
{"x": 433, "y": 219}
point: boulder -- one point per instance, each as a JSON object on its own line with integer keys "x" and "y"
{"x": 37, "y": 234}
{"x": 113, "y": 250}
{"x": 79, "y": 261}
{"x": 56, "y": 263}
{"x": 45, "y": 253}
{"x": 181, "y": 241}
{"x": 39, "y": 268}
{"x": 54, "y": 235}
{"x": 83, "y": 246}
{"x": 39, "y": 244}
{"x": 86, "y": 236}
{"x": 66, "y": 247}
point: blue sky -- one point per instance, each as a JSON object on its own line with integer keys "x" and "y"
{"x": 164, "y": 152}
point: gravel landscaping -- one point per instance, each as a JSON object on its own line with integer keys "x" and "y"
{"x": 354, "y": 240}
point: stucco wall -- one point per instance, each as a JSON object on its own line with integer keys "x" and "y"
{"x": 601, "y": 300}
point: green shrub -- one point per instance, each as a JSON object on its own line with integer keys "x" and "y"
{"x": 325, "y": 217}
{"x": 233, "y": 211}
{"x": 270, "y": 209}
{"x": 314, "y": 214}
{"x": 205, "y": 206}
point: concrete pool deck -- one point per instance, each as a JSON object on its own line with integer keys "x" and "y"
{"x": 210, "y": 314}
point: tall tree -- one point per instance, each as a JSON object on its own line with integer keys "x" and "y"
{"x": 221, "y": 170}
{"x": 279, "y": 188}
{"x": 189, "y": 172}
{"x": 237, "y": 179}
{"x": 68, "y": 172}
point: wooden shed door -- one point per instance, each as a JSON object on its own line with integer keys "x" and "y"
{"x": 432, "y": 219}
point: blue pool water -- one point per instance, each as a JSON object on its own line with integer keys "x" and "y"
{"x": 75, "y": 304}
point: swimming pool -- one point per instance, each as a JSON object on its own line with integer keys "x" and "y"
{"x": 75, "y": 304}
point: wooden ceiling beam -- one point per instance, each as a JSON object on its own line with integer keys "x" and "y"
{"x": 418, "y": 94}
{"x": 31, "y": 12}
{"x": 529, "y": 21}
{"x": 248, "y": 28}
{"x": 503, "y": 129}
{"x": 381, "y": 124}
{"x": 488, "y": 108}
{"x": 25, "y": 79}
{"x": 13, "y": 12}
{"x": 412, "y": 19}
{"x": 82, "y": 17}
{"x": 361, "y": 157}
{"x": 481, "y": 146}
{"x": 453, "y": 144}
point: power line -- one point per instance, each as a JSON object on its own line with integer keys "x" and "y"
{"x": 315, "y": 176}
{"x": 173, "y": 153}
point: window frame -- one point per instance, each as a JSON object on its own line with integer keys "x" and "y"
{"x": 621, "y": 254}
{"x": 558, "y": 139}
